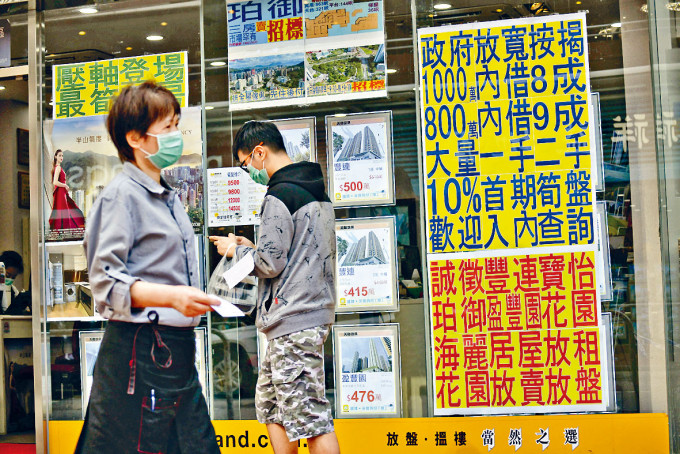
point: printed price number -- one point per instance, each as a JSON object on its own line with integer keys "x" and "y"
{"x": 363, "y": 396}
{"x": 352, "y": 186}
{"x": 235, "y": 208}
{"x": 357, "y": 291}
{"x": 375, "y": 177}
{"x": 234, "y": 191}
{"x": 234, "y": 199}
{"x": 233, "y": 182}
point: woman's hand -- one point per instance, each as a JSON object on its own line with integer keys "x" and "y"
{"x": 192, "y": 302}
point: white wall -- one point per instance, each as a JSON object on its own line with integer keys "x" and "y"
{"x": 13, "y": 115}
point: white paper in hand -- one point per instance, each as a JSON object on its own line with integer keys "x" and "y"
{"x": 239, "y": 271}
{"x": 226, "y": 309}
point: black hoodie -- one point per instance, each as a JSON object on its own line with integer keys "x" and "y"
{"x": 295, "y": 255}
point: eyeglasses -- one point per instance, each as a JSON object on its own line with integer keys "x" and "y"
{"x": 243, "y": 165}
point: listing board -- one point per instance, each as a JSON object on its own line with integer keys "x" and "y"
{"x": 512, "y": 267}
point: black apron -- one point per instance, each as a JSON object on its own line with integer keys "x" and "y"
{"x": 145, "y": 395}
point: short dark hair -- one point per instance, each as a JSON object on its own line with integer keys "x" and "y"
{"x": 136, "y": 108}
{"x": 253, "y": 133}
{"x": 13, "y": 259}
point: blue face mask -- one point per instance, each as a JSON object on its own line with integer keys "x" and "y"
{"x": 170, "y": 146}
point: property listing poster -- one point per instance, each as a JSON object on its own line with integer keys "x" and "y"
{"x": 83, "y": 89}
{"x": 361, "y": 169}
{"x": 366, "y": 265}
{"x": 233, "y": 198}
{"x": 367, "y": 376}
{"x": 515, "y": 306}
{"x": 283, "y": 51}
{"x": 299, "y": 137}
{"x": 91, "y": 161}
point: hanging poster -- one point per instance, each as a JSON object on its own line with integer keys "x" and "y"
{"x": 512, "y": 254}
{"x": 367, "y": 371}
{"x": 604, "y": 267}
{"x": 83, "y": 89}
{"x": 505, "y": 127}
{"x": 287, "y": 51}
{"x": 517, "y": 334}
{"x": 366, "y": 263}
{"x": 233, "y": 198}
{"x": 299, "y": 137}
{"x": 90, "y": 341}
{"x": 89, "y": 161}
{"x": 361, "y": 170}
{"x": 5, "y": 44}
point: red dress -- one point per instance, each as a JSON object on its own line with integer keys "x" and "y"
{"x": 65, "y": 212}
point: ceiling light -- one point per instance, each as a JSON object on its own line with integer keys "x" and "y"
{"x": 644, "y": 8}
{"x": 209, "y": 107}
{"x": 391, "y": 71}
{"x": 218, "y": 63}
{"x": 154, "y": 38}
{"x": 499, "y": 10}
{"x": 673, "y": 6}
{"x": 442, "y": 6}
{"x": 578, "y": 3}
{"x": 341, "y": 115}
{"x": 616, "y": 25}
{"x": 163, "y": 24}
{"x": 81, "y": 33}
{"x": 88, "y": 10}
{"x": 128, "y": 48}
{"x": 2, "y": 87}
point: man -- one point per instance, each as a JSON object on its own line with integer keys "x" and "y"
{"x": 295, "y": 264}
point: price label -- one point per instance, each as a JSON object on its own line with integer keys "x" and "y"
{"x": 364, "y": 396}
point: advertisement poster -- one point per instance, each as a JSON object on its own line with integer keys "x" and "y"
{"x": 367, "y": 371}
{"x": 287, "y": 51}
{"x": 505, "y": 120}
{"x": 90, "y": 161}
{"x": 361, "y": 172}
{"x": 233, "y": 198}
{"x": 517, "y": 334}
{"x": 84, "y": 89}
{"x": 90, "y": 341}
{"x": 5, "y": 44}
{"x": 299, "y": 136}
{"x": 510, "y": 205}
{"x": 366, "y": 265}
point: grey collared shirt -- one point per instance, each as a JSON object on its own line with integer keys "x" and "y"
{"x": 137, "y": 229}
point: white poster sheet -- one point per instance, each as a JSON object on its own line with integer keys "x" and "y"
{"x": 233, "y": 198}
{"x": 361, "y": 170}
{"x": 367, "y": 371}
{"x": 366, "y": 264}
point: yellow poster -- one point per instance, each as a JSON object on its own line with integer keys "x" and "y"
{"x": 84, "y": 89}
{"x": 505, "y": 126}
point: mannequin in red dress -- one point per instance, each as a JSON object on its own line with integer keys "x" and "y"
{"x": 65, "y": 212}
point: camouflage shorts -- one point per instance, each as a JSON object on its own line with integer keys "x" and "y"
{"x": 290, "y": 387}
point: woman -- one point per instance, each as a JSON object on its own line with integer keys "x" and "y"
{"x": 143, "y": 271}
{"x": 65, "y": 212}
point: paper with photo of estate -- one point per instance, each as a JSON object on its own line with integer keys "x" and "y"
{"x": 288, "y": 51}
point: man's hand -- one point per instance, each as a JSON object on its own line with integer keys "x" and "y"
{"x": 243, "y": 241}
{"x": 224, "y": 244}
{"x": 192, "y": 302}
